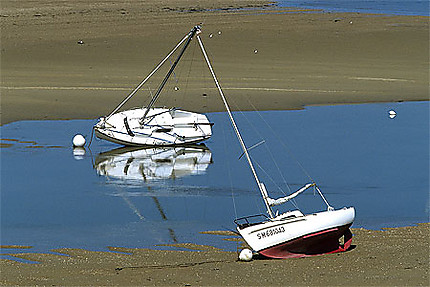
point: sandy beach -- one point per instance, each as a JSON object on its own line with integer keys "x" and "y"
{"x": 271, "y": 57}
{"x": 266, "y": 58}
{"x": 392, "y": 257}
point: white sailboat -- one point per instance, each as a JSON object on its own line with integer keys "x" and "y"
{"x": 155, "y": 126}
{"x": 290, "y": 234}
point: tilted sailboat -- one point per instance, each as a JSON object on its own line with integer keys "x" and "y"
{"x": 290, "y": 234}
{"x": 154, "y": 126}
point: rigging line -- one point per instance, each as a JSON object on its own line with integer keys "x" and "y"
{"x": 268, "y": 150}
{"x": 174, "y": 74}
{"x": 91, "y": 139}
{"x": 205, "y": 78}
{"x": 229, "y": 171}
{"x": 147, "y": 78}
{"x": 268, "y": 176}
{"x": 150, "y": 92}
{"x": 239, "y": 137}
{"x": 273, "y": 181}
{"x": 256, "y": 202}
{"x": 259, "y": 135}
{"x": 172, "y": 86}
{"x": 285, "y": 146}
{"x": 189, "y": 71}
{"x": 254, "y": 146}
{"x": 163, "y": 83}
{"x": 293, "y": 201}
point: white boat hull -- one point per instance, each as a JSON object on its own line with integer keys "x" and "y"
{"x": 161, "y": 127}
{"x": 293, "y": 234}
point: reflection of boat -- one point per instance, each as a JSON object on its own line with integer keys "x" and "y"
{"x": 140, "y": 165}
{"x": 146, "y": 164}
{"x": 150, "y": 126}
{"x": 289, "y": 234}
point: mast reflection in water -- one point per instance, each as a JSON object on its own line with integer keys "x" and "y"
{"x": 50, "y": 199}
{"x": 131, "y": 165}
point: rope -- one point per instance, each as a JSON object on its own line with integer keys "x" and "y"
{"x": 292, "y": 156}
{"x": 189, "y": 71}
{"x": 269, "y": 151}
{"x": 91, "y": 139}
{"x": 283, "y": 144}
{"x": 148, "y": 77}
{"x": 293, "y": 201}
{"x": 229, "y": 172}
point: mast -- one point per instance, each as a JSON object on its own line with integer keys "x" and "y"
{"x": 163, "y": 83}
{"x": 260, "y": 185}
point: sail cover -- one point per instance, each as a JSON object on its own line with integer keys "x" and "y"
{"x": 281, "y": 200}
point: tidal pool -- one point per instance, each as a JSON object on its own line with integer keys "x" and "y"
{"x": 53, "y": 196}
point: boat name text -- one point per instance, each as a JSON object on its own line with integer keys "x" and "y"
{"x": 270, "y": 232}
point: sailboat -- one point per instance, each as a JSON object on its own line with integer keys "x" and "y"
{"x": 292, "y": 233}
{"x": 155, "y": 126}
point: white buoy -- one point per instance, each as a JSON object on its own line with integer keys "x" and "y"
{"x": 219, "y": 32}
{"x": 245, "y": 255}
{"x": 392, "y": 114}
{"x": 78, "y": 140}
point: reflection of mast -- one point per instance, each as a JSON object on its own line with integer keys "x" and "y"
{"x": 160, "y": 209}
{"x": 129, "y": 203}
{"x": 163, "y": 215}
{"x": 131, "y": 165}
{"x": 132, "y": 206}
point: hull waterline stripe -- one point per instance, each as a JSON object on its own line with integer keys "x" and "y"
{"x": 321, "y": 232}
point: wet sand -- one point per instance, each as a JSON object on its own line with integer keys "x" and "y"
{"x": 271, "y": 57}
{"x": 392, "y": 257}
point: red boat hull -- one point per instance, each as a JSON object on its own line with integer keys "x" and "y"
{"x": 318, "y": 243}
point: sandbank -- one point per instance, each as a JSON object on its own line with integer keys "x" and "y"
{"x": 391, "y": 257}
{"x": 266, "y": 57}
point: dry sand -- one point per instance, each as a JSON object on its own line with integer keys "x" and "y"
{"x": 393, "y": 257}
{"x": 302, "y": 58}
{"x": 274, "y": 58}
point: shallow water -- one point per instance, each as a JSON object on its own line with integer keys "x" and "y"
{"x": 396, "y": 7}
{"x": 52, "y": 196}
